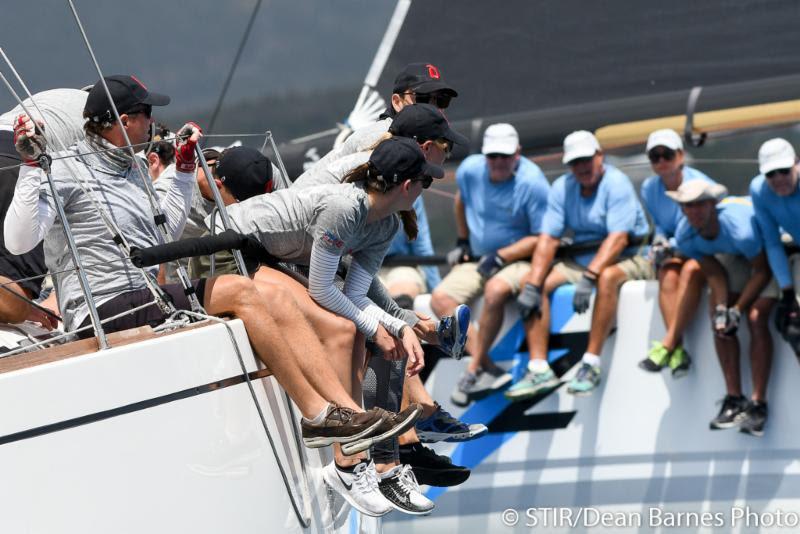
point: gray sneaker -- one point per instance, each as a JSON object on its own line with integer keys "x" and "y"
{"x": 532, "y": 384}
{"x": 472, "y": 387}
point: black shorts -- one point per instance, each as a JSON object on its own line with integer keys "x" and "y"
{"x": 149, "y": 316}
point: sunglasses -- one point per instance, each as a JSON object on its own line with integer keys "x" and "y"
{"x": 426, "y": 181}
{"x": 499, "y": 156}
{"x": 656, "y": 155}
{"x": 776, "y": 172}
{"x": 439, "y": 100}
{"x": 580, "y": 161}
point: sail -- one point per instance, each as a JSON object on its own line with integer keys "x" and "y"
{"x": 552, "y": 67}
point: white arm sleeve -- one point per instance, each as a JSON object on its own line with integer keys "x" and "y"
{"x": 355, "y": 289}
{"x": 322, "y": 270}
{"x": 29, "y": 217}
{"x": 175, "y": 204}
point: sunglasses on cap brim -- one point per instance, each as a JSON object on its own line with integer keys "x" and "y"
{"x": 776, "y": 172}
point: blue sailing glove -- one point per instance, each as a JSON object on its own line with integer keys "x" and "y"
{"x": 490, "y": 264}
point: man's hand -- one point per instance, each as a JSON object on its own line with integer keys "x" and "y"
{"x": 416, "y": 356}
{"x": 185, "y": 142}
{"x": 29, "y": 140}
{"x": 490, "y": 264}
{"x": 461, "y": 254}
{"x": 48, "y": 322}
{"x": 529, "y": 301}
{"x": 726, "y": 320}
{"x": 583, "y": 293}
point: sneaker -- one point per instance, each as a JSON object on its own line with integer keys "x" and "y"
{"x": 587, "y": 379}
{"x": 657, "y": 357}
{"x": 679, "y": 362}
{"x": 476, "y": 386}
{"x": 532, "y": 384}
{"x": 341, "y": 425}
{"x": 441, "y": 426}
{"x": 431, "y": 468}
{"x": 452, "y": 331}
{"x": 754, "y": 418}
{"x": 358, "y": 487}
{"x": 401, "y": 489}
{"x": 392, "y": 425}
{"x": 731, "y": 414}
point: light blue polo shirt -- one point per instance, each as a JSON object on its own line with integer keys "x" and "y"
{"x": 421, "y": 246}
{"x": 666, "y": 213}
{"x": 738, "y": 232}
{"x": 499, "y": 214}
{"x": 614, "y": 207}
{"x": 774, "y": 213}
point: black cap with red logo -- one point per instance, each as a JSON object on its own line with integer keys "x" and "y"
{"x": 128, "y": 94}
{"x": 422, "y": 78}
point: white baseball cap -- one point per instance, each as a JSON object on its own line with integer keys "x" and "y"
{"x": 666, "y": 137}
{"x": 696, "y": 190}
{"x": 580, "y": 144}
{"x": 501, "y": 138}
{"x": 776, "y": 154}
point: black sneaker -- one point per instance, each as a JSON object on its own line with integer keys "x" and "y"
{"x": 731, "y": 413}
{"x": 431, "y": 468}
{"x": 401, "y": 489}
{"x": 754, "y": 418}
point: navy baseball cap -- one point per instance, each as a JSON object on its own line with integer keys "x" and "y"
{"x": 422, "y": 78}
{"x": 401, "y": 158}
{"x": 425, "y": 122}
{"x": 245, "y": 171}
{"x": 127, "y": 92}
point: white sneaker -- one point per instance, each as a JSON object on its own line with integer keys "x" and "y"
{"x": 401, "y": 489}
{"x": 359, "y": 488}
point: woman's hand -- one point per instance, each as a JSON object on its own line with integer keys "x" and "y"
{"x": 416, "y": 356}
{"x": 389, "y": 345}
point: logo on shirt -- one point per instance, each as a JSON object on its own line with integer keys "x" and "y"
{"x": 330, "y": 239}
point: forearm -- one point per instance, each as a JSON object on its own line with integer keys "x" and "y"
{"x": 28, "y": 217}
{"x": 759, "y": 278}
{"x": 356, "y": 285}
{"x": 177, "y": 202}
{"x": 461, "y": 218}
{"x": 546, "y": 248}
{"x": 378, "y": 294}
{"x": 520, "y": 250}
{"x": 717, "y": 280}
{"x": 609, "y": 251}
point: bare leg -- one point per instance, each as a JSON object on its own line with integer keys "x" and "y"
{"x": 605, "y": 307}
{"x": 278, "y": 338}
{"x": 442, "y": 304}
{"x": 495, "y": 294}
{"x": 668, "y": 283}
{"x": 728, "y": 354}
{"x": 537, "y": 328}
{"x": 690, "y": 288}
{"x": 760, "y": 346}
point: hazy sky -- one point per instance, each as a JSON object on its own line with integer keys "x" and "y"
{"x": 185, "y": 47}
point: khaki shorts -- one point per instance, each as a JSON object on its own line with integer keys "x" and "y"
{"x": 463, "y": 283}
{"x": 635, "y": 268}
{"x": 404, "y": 275}
{"x": 738, "y": 269}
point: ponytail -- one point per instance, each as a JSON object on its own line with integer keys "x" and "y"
{"x": 409, "y": 220}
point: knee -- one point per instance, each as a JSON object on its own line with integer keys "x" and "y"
{"x": 496, "y": 293}
{"x": 757, "y": 318}
{"x": 610, "y": 279}
{"x": 440, "y": 301}
{"x": 275, "y": 296}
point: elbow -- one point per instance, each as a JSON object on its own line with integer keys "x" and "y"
{"x": 13, "y": 243}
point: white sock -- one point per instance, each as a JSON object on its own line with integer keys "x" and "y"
{"x": 591, "y": 359}
{"x": 320, "y": 416}
{"x": 390, "y": 472}
{"x": 538, "y": 366}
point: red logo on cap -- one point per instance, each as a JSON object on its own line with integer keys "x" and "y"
{"x": 433, "y": 72}
{"x": 135, "y": 79}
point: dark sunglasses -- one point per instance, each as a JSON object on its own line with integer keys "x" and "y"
{"x": 499, "y": 156}
{"x": 426, "y": 181}
{"x": 146, "y": 110}
{"x": 439, "y": 100}
{"x": 773, "y": 174}
{"x": 667, "y": 155}
{"x": 579, "y": 161}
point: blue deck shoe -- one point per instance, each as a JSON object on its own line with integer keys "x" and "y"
{"x": 441, "y": 426}
{"x": 452, "y": 331}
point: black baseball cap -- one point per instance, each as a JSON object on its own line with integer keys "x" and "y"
{"x": 421, "y": 78}
{"x": 245, "y": 171}
{"x": 401, "y": 158}
{"x": 128, "y": 94}
{"x": 424, "y": 122}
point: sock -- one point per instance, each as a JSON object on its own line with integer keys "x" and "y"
{"x": 320, "y": 416}
{"x": 349, "y": 468}
{"x": 390, "y": 473}
{"x": 591, "y": 359}
{"x": 538, "y": 366}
